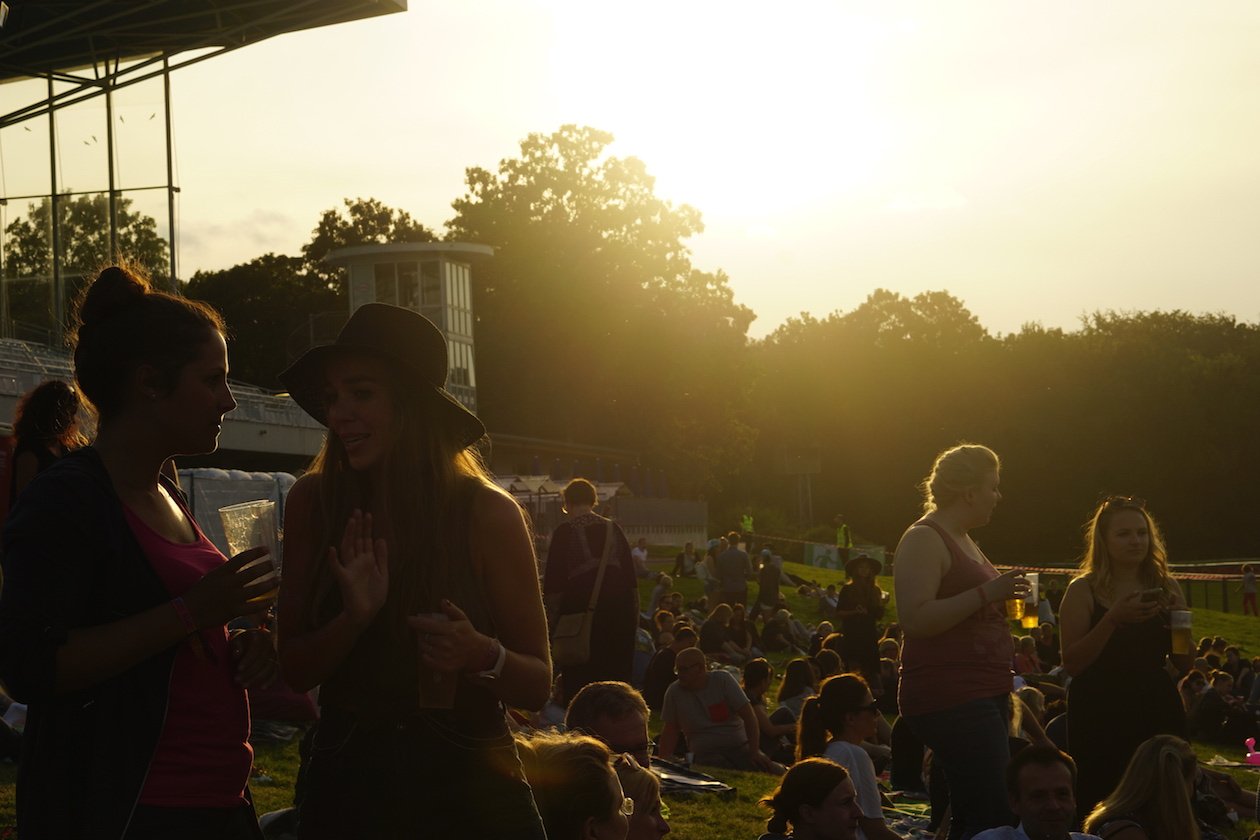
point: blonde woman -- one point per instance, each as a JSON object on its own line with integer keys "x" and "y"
{"x": 1114, "y": 625}
{"x": 650, "y": 818}
{"x": 1153, "y": 799}
{"x": 579, "y": 795}
{"x": 956, "y": 660}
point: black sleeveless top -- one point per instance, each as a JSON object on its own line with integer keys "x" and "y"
{"x": 378, "y": 680}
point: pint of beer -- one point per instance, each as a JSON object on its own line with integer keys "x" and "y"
{"x": 1015, "y": 609}
{"x": 1031, "y": 617}
{"x": 1182, "y": 637}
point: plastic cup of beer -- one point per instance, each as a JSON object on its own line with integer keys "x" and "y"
{"x": 251, "y": 524}
{"x": 1031, "y": 617}
{"x": 1015, "y": 609}
{"x": 1182, "y": 636}
{"x": 437, "y": 688}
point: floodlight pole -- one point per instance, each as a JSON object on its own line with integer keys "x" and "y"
{"x": 53, "y": 205}
{"x": 109, "y": 163}
{"x": 170, "y": 170}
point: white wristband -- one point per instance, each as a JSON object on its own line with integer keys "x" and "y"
{"x": 493, "y": 673}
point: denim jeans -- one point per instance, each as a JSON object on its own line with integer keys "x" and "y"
{"x": 969, "y": 742}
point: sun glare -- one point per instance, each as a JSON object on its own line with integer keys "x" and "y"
{"x": 736, "y": 111}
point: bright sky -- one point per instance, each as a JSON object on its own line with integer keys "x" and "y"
{"x": 1039, "y": 161}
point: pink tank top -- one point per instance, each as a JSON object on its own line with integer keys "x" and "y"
{"x": 970, "y": 660}
{"x": 203, "y": 756}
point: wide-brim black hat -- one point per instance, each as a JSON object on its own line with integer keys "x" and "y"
{"x": 406, "y": 339}
{"x": 876, "y": 566}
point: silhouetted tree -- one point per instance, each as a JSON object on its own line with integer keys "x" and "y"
{"x": 592, "y": 324}
{"x": 84, "y": 232}
{"x": 263, "y": 302}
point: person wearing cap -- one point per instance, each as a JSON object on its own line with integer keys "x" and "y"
{"x": 406, "y": 567}
{"x": 860, "y": 606}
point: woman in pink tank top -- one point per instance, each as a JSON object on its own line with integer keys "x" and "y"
{"x": 956, "y": 661}
{"x": 114, "y": 609}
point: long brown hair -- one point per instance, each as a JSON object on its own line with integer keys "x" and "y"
{"x": 1096, "y": 562}
{"x": 426, "y": 504}
{"x": 1155, "y": 787}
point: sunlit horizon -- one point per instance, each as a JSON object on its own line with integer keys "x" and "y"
{"x": 1038, "y": 164}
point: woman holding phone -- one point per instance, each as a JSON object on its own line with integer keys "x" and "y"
{"x": 1116, "y": 644}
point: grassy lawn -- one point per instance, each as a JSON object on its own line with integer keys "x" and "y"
{"x": 708, "y": 817}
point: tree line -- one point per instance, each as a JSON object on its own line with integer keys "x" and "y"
{"x": 593, "y": 326}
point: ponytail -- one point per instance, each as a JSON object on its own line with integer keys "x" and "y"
{"x": 811, "y": 734}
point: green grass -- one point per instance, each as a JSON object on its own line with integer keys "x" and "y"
{"x": 708, "y": 817}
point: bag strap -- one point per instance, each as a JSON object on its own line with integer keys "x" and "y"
{"x": 603, "y": 560}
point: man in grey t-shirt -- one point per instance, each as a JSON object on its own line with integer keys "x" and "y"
{"x": 713, "y": 712}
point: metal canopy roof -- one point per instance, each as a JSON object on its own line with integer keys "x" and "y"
{"x": 45, "y": 36}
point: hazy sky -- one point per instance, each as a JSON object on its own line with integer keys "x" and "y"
{"x": 1039, "y": 161}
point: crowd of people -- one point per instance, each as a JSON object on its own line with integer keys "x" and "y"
{"x": 461, "y": 691}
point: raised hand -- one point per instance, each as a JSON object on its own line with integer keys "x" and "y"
{"x": 361, "y": 569}
{"x": 232, "y": 590}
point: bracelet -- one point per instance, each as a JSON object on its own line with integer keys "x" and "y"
{"x": 185, "y": 616}
{"x": 487, "y": 661}
{"x": 494, "y": 671}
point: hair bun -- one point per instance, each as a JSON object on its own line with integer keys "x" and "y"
{"x": 115, "y": 289}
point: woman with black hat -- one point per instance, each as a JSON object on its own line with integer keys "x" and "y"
{"x": 411, "y": 597}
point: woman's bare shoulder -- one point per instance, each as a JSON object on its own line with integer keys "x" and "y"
{"x": 494, "y": 508}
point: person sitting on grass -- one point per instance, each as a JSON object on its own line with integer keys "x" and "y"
{"x": 799, "y": 684}
{"x": 827, "y": 664}
{"x": 821, "y": 632}
{"x": 1039, "y": 786}
{"x": 660, "y": 671}
{"x": 817, "y": 800}
{"x": 650, "y": 818}
{"x": 776, "y": 738}
{"x": 834, "y": 725}
{"x": 578, "y": 794}
{"x": 1153, "y": 799}
{"x": 714, "y": 714}
{"x": 742, "y": 635}
{"x": 1220, "y": 716}
{"x": 715, "y": 636}
{"x": 614, "y": 713}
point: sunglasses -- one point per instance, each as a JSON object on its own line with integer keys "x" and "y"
{"x": 1130, "y": 502}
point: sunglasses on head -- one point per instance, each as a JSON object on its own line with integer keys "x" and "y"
{"x": 1130, "y": 502}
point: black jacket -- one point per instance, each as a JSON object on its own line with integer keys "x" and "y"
{"x": 71, "y": 560}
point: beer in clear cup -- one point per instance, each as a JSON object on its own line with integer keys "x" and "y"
{"x": 1182, "y": 635}
{"x": 1031, "y": 617}
{"x": 1015, "y": 609}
